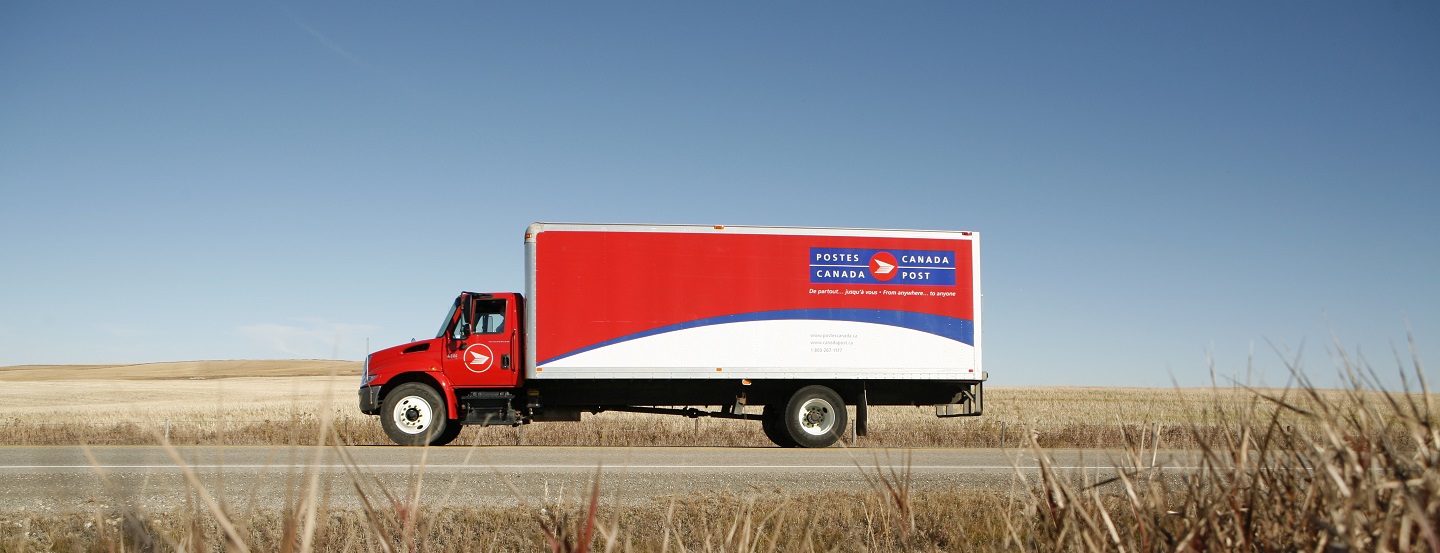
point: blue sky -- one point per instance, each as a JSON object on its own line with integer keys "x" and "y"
{"x": 1157, "y": 183}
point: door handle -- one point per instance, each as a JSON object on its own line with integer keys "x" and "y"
{"x": 505, "y": 361}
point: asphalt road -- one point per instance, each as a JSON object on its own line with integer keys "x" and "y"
{"x": 66, "y": 478}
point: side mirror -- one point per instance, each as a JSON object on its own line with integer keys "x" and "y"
{"x": 462, "y": 331}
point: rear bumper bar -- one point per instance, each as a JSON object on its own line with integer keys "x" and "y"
{"x": 968, "y": 403}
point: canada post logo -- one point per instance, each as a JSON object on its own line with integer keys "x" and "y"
{"x": 870, "y": 266}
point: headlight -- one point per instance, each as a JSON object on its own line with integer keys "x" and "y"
{"x": 365, "y": 377}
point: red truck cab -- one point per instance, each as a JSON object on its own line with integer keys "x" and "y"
{"x": 479, "y": 347}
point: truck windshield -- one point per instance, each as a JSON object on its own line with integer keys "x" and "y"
{"x": 449, "y": 317}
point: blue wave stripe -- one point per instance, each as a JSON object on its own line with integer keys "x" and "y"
{"x": 954, "y": 328}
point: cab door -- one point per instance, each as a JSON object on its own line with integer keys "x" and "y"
{"x": 482, "y": 351}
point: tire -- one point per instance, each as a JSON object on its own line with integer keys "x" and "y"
{"x": 413, "y": 414}
{"x": 772, "y": 420}
{"x": 814, "y": 417}
{"x": 451, "y": 431}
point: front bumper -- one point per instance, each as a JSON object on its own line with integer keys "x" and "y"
{"x": 370, "y": 400}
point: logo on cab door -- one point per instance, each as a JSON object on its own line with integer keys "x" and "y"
{"x": 478, "y": 358}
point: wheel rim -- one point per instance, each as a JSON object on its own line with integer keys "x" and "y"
{"x": 412, "y": 414}
{"x": 816, "y": 417}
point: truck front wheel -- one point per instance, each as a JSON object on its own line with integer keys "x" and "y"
{"x": 414, "y": 414}
{"x": 814, "y": 417}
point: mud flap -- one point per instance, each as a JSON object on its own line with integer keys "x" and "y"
{"x": 862, "y": 415}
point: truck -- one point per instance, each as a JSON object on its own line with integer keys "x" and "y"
{"x": 800, "y": 324}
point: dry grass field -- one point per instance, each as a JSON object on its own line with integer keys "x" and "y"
{"x": 1279, "y": 470}
{"x": 280, "y": 402}
{"x": 197, "y": 370}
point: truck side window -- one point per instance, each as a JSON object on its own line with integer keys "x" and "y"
{"x": 489, "y": 316}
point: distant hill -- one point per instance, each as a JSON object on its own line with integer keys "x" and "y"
{"x": 181, "y": 370}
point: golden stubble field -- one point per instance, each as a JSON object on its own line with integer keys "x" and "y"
{"x": 282, "y": 402}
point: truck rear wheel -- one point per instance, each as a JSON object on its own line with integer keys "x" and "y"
{"x": 814, "y": 417}
{"x": 414, "y": 414}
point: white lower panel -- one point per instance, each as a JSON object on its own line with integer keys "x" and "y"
{"x": 776, "y": 349}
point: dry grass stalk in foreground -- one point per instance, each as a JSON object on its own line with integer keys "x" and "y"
{"x": 1368, "y": 479}
{"x": 844, "y": 521}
